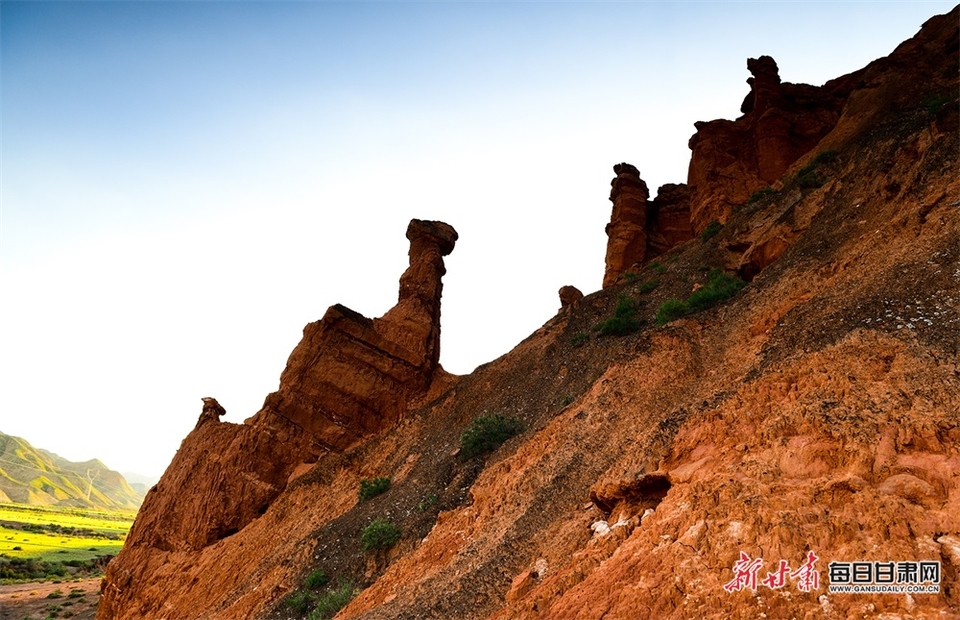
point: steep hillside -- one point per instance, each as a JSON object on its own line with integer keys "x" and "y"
{"x": 32, "y": 476}
{"x": 701, "y": 464}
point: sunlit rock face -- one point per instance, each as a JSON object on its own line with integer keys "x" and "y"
{"x": 349, "y": 377}
{"x": 781, "y": 121}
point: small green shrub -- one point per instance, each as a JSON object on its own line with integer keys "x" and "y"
{"x": 670, "y": 310}
{"x": 760, "y": 194}
{"x": 826, "y": 157}
{"x": 380, "y": 534}
{"x": 811, "y": 179}
{"x": 487, "y": 433}
{"x": 316, "y": 579}
{"x": 656, "y": 266}
{"x": 372, "y": 488}
{"x": 648, "y": 286}
{"x": 711, "y": 230}
{"x": 427, "y": 503}
{"x": 631, "y": 276}
{"x": 300, "y": 602}
{"x": 333, "y": 601}
{"x": 579, "y": 338}
{"x": 58, "y": 593}
{"x": 719, "y": 287}
{"x": 623, "y": 321}
{"x": 934, "y": 101}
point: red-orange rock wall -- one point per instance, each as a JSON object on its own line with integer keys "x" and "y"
{"x": 731, "y": 160}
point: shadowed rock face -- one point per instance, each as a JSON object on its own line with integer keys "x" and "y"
{"x": 350, "y": 377}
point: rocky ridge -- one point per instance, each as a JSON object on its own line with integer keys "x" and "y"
{"x": 814, "y": 412}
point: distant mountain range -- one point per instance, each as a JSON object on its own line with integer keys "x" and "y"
{"x": 30, "y": 475}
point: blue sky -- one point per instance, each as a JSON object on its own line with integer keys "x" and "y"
{"x": 186, "y": 184}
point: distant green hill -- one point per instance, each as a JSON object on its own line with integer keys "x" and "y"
{"x": 29, "y": 475}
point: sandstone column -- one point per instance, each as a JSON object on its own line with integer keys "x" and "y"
{"x": 626, "y": 232}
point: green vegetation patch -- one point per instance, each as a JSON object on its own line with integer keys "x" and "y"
{"x": 720, "y": 286}
{"x": 429, "y": 501}
{"x": 333, "y": 600}
{"x": 372, "y": 488}
{"x": 487, "y": 433}
{"x": 14, "y": 570}
{"x": 760, "y": 194}
{"x": 623, "y": 321}
{"x": 105, "y": 522}
{"x": 316, "y": 579}
{"x": 321, "y": 605}
{"x": 648, "y": 286}
{"x": 711, "y": 230}
{"x": 380, "y": 534}
{"x": 670, "y": 310}
{"x": 18, "y": 543}
{"x": 935, "y": 101}
{"x": 809, "y": 177}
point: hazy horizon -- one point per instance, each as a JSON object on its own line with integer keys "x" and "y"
{"x": 185, "y": 185}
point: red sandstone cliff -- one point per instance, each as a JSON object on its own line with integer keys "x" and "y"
{"x": 818, "y": 410}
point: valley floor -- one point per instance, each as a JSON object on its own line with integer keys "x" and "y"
{"x": 77, "y": 600}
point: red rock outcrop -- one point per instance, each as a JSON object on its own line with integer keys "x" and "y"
{"x": 641, "y": 229}
{"x": 569, "y": 295}
{"x": 349, "y": 377}
{"x": 626, "y": 232}
{"x": 668, "y": 219}
{"x": 782, "y": 121}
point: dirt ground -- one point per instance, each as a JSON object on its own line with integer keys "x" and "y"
{"x": 76, "y": 600}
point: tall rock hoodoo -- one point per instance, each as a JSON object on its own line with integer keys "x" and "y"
{"x": 350, "y": 377}
{"x": 641, "y": 229}
{"x": 626, "y": 232}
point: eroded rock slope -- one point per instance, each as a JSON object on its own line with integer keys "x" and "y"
{"x": 816, "y": 411}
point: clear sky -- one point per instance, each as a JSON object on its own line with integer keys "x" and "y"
{"x": 185, "y": 185}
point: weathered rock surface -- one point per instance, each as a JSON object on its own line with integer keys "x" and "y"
{"x": 349, "y": 378}
{"x": 668, "y": 221}
{"x": 626, "y": 232}
{"x": 569, "y": 295}
{"x": 817, "y": 411}
{"x": 782, "y": 121}
{"x": 642, "y": 229}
